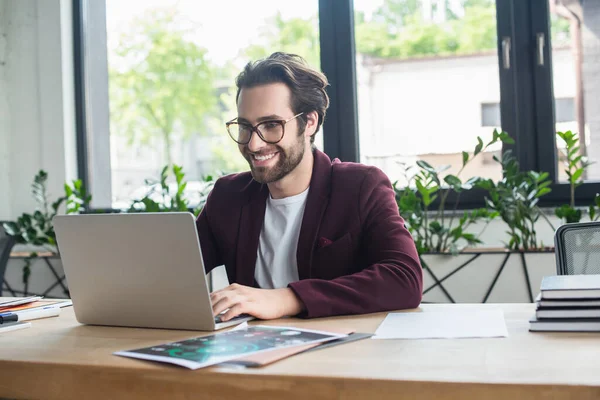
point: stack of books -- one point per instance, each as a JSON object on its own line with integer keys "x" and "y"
{"x": 568, "y": 303}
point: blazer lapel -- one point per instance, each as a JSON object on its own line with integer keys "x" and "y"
{"x": 251, "y": 222}
{"x": 316, "y": 204}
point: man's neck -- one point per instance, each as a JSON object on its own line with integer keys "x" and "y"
{"x": 297, "y": 181}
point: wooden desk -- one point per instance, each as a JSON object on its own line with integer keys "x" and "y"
{"x": 59, "y": 359}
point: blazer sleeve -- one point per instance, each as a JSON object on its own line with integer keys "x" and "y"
{"x": 208, "y": 244}
{"x": 393, "y": 279}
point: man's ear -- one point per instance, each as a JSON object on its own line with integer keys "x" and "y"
{"x": 312, "y": 121}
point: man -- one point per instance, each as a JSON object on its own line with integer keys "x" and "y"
{"x": 301, "y": 235}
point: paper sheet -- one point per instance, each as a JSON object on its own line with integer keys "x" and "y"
{"x": 443, "y": 324}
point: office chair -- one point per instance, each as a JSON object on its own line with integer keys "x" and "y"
{"x": 577, "y": 248}
{"x": 6, "y": 245}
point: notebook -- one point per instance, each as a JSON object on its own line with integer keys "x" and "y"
{"x": 564, "y": 325}
{"x": 570, "y": 287}
{"x": 568, "y": 303}
{"x": 568, "y": 312}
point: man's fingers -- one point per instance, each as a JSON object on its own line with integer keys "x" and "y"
{"x": 224, "y": 303}
{"x": 233, "y": 312}
{"x": 218, "y": 295}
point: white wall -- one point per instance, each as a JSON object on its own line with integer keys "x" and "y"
{"x": 37, "y": 124}
{"x": 36, "y": 100}
{"x": 411, "y": 109}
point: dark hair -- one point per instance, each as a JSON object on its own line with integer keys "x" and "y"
{"x": 306, "y": 84}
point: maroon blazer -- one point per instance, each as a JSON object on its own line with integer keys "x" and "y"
{"x": 354, "y": 255}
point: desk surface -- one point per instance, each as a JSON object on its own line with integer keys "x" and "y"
{"x": 59, "y": 358}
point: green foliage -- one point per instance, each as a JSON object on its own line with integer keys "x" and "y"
{"x": 210, "y": 180}
{"x": 575, "y": 165}
{"x": 398, "y": 30}
{"x": 515, "y": 198}
{"x": 560, "y": 30}
{"x": 161, "y": 83}
{"x": 170, "y": 198}
{"x": 433, "y": 230}
{"x": 396, "y": 13}
{"x": 77, "y": 198}
{"x": 594, "y": 208}
{"x": 294, "y": 35}
{"x": 568, "y": 214}
{"x": 36, "y": 229}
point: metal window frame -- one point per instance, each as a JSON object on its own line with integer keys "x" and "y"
{"x": 338, "y": 63}
{"x": 81, "y": 131}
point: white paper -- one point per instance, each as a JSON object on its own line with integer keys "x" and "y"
{"x": 243, "y": 325}
{"x": 443, "y": 324}
{"x": 16, "y": 301}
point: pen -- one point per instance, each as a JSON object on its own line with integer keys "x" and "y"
{"x": 8, "y": 317}
{"x": 50, "y": 311}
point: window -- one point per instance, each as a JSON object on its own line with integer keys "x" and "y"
{"x": 490, "y": 114}
{"x": 426, "y": 72}
{"x": 410, "y": 80}
{"x": 575, "y": 27}
{"x": 171, "y": 79}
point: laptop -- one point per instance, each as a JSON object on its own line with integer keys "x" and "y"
{"x": 137, "y": 270}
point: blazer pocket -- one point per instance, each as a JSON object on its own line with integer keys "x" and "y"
{"x": 333, "y": 260}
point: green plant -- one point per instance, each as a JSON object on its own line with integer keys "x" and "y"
{"x": 575, "y": 165}
{"x": 434, "y": 230}
{"x": 210, "y": 183}
{"x": 36, "y": 229}
{"x": 594, "y": 208}
{"x": 170, "y": 200}
{"x": 164, "y": 197}
{"x": 515, "y": 198}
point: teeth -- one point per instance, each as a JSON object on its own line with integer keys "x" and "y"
{"x": 263, "y": 158}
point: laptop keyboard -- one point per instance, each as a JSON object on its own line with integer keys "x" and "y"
{"x": 218, "y": 318}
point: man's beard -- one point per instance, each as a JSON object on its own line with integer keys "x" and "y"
{"x": 286, "y": 163}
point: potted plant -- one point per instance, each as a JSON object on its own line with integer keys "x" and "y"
{"x": 575, "y": 165}
{"x": 35, "y": 230}
{"x": 458, "y": 267}
{"x": 162, "y": 196}
{"x": 437, "y": 230}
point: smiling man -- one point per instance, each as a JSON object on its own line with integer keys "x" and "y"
{"x": 300, "y": 234}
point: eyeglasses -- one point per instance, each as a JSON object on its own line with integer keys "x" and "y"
{"x": 270, "y": 131}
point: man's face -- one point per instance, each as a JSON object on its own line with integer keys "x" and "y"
{"x": 270, "y": 162}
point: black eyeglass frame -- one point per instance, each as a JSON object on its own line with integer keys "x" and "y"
{"x": 254, "y": 128}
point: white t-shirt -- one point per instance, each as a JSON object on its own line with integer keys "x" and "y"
{"x": 276, "y": 263}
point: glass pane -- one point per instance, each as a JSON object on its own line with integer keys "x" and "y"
{"x": 172, "y": 69}
{"x": 575, "y": 29}
{"x": 428, "y": 84}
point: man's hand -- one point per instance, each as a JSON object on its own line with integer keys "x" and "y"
{"x": 260, "y": 303}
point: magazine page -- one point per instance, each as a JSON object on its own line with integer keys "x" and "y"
{"x": 209, "y": 350}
